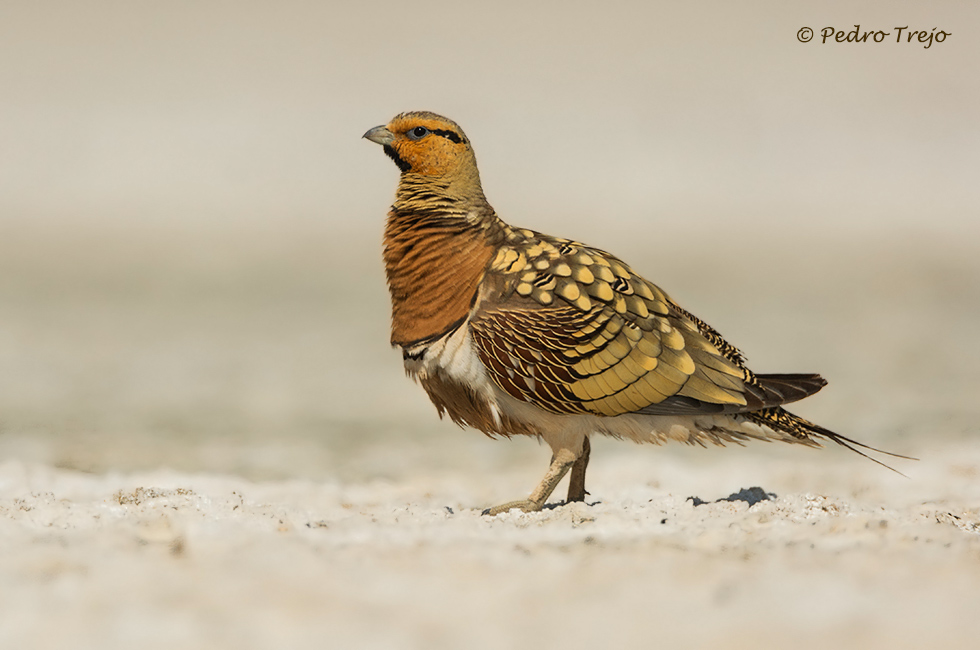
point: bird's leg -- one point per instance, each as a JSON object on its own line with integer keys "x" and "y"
{"x": 576, "y": 482}
{"x": 561, "y": 462}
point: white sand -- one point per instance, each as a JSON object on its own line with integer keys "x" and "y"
{"x": 168, "y": 559}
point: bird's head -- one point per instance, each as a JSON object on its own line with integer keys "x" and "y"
{"x": 426, "y": 144}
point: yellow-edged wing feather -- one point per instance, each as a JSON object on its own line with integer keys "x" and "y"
{"x": 576, "y": 331}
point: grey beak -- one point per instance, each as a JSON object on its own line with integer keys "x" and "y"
{"x": 380, "y": 134}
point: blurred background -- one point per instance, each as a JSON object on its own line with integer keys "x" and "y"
{"x": 190, "y": 224}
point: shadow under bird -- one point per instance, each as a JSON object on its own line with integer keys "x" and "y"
{"x": 514, "y": 332}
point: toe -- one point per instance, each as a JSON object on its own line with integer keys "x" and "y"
{"x": 524, "y": 506}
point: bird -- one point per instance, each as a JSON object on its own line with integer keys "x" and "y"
{"x": 514, "y": 332}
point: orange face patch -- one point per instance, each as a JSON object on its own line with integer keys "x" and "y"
{"x": 426, "y": 143}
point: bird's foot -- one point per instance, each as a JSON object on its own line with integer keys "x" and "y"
{"x": 560, "y": 464}
{"x": 524, "y": 506}
{"x": 578, "y": 497}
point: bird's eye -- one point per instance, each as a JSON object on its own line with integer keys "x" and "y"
{"x": 417, "y": 133}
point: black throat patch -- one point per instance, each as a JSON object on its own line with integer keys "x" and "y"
{"x": 402, "y": 165}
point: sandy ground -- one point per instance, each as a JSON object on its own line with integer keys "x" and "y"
{"x": 169, "y": 559}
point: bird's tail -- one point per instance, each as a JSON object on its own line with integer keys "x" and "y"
{"x": 807, "y": 432}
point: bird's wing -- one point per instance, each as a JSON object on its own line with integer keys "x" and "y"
{"x": 584, "y": 334}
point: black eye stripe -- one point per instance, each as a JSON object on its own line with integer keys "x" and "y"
{"x": 420, "y": 132}
{"x": 449, "y": 135}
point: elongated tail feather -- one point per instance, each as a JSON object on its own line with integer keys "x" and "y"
{"x": 782, "y": 420}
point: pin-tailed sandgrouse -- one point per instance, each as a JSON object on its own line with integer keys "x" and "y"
{"x": 514, "y": 332}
